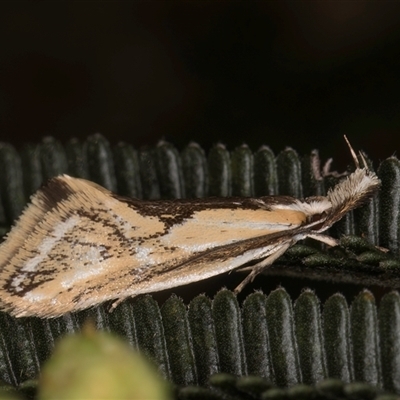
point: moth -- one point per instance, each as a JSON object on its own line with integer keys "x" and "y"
{"x": 77, "y": 245}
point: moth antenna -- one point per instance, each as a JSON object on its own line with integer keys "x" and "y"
{"x": 363, "y": 160}
{"x": 353, "y": 153}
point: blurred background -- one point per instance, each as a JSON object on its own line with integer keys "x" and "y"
{"x": 296, "y": 73}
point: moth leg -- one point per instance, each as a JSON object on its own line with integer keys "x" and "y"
{"x": 116, "y": 303}
{"x": 330, "y": 241}
{"x": 382, "y": 249}
{"x": 333, "y": 242}
{"x": 259, "y": 267}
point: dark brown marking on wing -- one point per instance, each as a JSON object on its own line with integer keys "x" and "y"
{"x": 54, "y": 191}
{"x": 34, "y": 280}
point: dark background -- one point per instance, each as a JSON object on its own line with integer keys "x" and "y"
{"x": 281, "y": 73}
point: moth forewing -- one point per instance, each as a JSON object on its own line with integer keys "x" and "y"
{"x": 77, "y": 244}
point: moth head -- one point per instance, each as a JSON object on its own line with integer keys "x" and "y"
{"x": 353, "y": 191}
